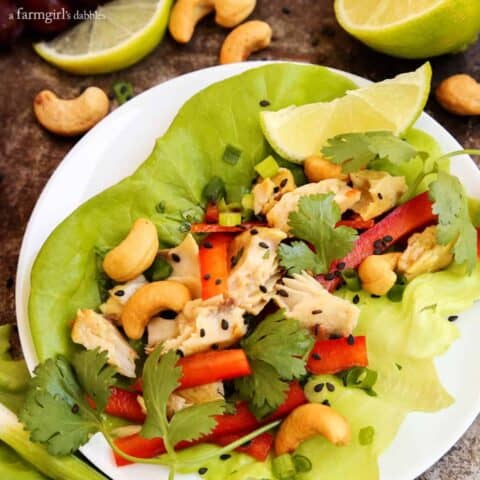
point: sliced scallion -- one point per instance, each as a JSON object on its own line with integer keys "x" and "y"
{"x": 123, "y": 91}
{"x": 232, "y": 154}
{"x": 366, "y": 435}
{"x": 284, "y": 467}
{"x": 350, "y": 277}
{"x": 214, "y": 190}
{"x": 302, "y": 463}
{"x": 267, "y": 168}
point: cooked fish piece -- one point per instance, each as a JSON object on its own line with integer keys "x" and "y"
{"x": 345, "y": 197}
{"x": 424, "y": 254}
{"x": 206, "y": 324}
{"x": 252, "y": 279}
{"x": 119, "y": 295}
{"x": 160, "y": 330}
{"x": 305, "y": 300}
{"x": 184, "y": 261}
{"x": 268, "y": 191}
{"x": 92, "y": 330}
{"x": 380, "y": 192}
{"x": 209, "y": 392}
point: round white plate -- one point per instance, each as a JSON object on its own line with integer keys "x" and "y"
{"x": 118, "y": 145}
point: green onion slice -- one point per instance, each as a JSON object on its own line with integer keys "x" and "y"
{"x": 267, "y": 168}
{"x": 230, "y": 219}
{"x": 123, "y": 91}
{"x": 232, "y": 154}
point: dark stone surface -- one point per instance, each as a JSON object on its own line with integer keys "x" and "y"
{"x": 307, "y": 33}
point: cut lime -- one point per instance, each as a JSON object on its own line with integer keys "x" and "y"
{"x": 118, "y": 35}
{"x": 298, "y": 132}
{"x": 411, "y": 29}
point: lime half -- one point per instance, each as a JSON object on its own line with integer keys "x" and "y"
{"x": 118, "y": 35}
{"x": 411, "y": 29}
{"x": 298, "y": 132}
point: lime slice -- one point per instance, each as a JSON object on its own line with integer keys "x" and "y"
{"x": 298, "y": 132}
{"x": 117, "y": 36}
{"x": 411, "y": 29}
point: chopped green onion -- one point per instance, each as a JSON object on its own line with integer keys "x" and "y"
{"x": 350, "y": 277}
{"x": 160, "y": 270}
{"x": 366, "y": 436}
{"x": 360, "y": 377}
{"x": 267, "y": 168}
{"x": 302, "y": 463}
{"x": 283, "y": 467}
{"x": 395, "y": 294}
{"x": 160, "y": 207}
{"x": 232, "y": 154}
{"x": 214, "y": 190}
{"x": 229, "y": 219}
{"x": 247, "y": 201}
{"x": 123, "y": 91}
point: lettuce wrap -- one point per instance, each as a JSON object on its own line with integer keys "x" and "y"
{"x": 403, "y": 338}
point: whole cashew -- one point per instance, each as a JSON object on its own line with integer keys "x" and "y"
{"x": 71, "y": 117}
{"x": 308, "y": 421}
{"x": 150, "y": 300}
{"x": 185, "y": 16}
{"x": 134, "y": 254}
{"x": 377, "y": 272}
{"x": 244, "y": 40}
{"x": 459, "y": 94}
{"x": 318, "y": 168}
{"x": 230, "y": 13}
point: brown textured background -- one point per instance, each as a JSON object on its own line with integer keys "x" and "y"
{"x": 304, "y": 30}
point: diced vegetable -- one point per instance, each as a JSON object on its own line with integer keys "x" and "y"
{"x": 283, "y": 467}
{"x": 267, "y": 168}
{"x": 212, "y": 213}
{"x": 214, "y": 264}
{"x": 230, "y": 219}
{"x": 232, "y": 154}
{"x": 214, "y": 190}
{"x": 258, "y": 448}
{"x": 215, "y": 228}
{"x": 160, "y": 270}
{"x": 247, "y": 201}
{"x": 124, "y": 404}
{"x": 336, "y": 355}
{"x": 123, "y": 91}
{"x": 405, "y": 219}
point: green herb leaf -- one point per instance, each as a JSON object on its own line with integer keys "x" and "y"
{"x": 314, "y": 222}
{"x": 159, "y": 270}
{"x": 95, "y": 375}
{"x": 454, "y": 223}
{"x": 355, "y": 151}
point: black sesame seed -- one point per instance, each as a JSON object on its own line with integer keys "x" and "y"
{"x": 263, "y": 245}
{"x": 215, "y": 346}
{"x": 120, "y": 293}
{"x": 316, "y": 356}
{"x": 168, "y": 314}
{"x": 378, "y": 243}
{"x": 329, "y": 276}
{"x": 341, "y": 265}
{"x": 375, "y": 296}
{"x": 207, "y": 244}
{"x": 207, "y": 276}
{"x": 246, "y": 320}
{"x": 326, "y": 403}
{"x": 334, "y": 337}
{"x": 253, "y": 231}
{"x": 218, "y": 281}
{"x": 263, "y": 288}
{"x": 351, "y": 340}
{"x": 225, "y": 324}
{"x": 317, "y": 312}
{"x": 246, "y": 444}
{"x": 355, "y": 299}
{"x": 202, "y": 332}
{"x": 380, "y": 196}
{"x": 318, "y": 387}
{"x": 75, "y": 408}
{"x": 286, "y": 10}
{"x": 276, "y": 189}
{"x": 330, "y": 387}
{"x": 452, "y": 318}
{"x": 337, "y": 273}
{"x": 225, "y": 456}
{"x": 264, "y": 103}
{"x": 377, "y": 251}
{"x": 283, "y": 183}
{"x": 202, "y": 471}
{"x": 387, "y": 238}
{"x": 180, "y": 353}
{"x": 175, "y": 257}
{"x": 282, "y": 293}
{"x": 316, "y": 329}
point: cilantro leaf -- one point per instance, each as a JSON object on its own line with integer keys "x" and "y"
{"x": 314, "y": 222}
{"x": 276, "y": 351}
{"x": 354, "y": 151}
{"x": 454, "y": 223}
{"x": 95, "y": 375}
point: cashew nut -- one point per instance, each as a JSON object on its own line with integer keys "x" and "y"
{"x": 318, "y": 168}
{"x": 310, "y": 420}
{"x": 71, "y": 117}
{"x": 149, "y": 300}
{"x": 185, "y": 16}
{"x": 459, "y": 94}
{"x": 377, "y": 272}
{"x": 134, "y": 254}
{"x": 244, "y": 40}
{"x": 230, "y": 13}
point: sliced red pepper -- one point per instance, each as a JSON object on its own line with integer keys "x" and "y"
{"x": 214, "y": 264}
{"x": 241, "y": 421}
{"x": 357, "y": 222}
{"x": 124, "y": 404}
{"x": 336, "y": 355}
{"x": 258, "y": 448}
{"x": 212, "y": 213}
{"x": 405, "y": 219}
{"x": 216, "y": 228}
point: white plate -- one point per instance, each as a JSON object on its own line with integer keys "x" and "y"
{"x": 121, "y": 142}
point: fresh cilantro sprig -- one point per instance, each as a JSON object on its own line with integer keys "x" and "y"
{"x": 454, "y": 223}
{"x": 354, "y": 151}
{"x": 276, "y": 351}
{"x": 314, "y": 222}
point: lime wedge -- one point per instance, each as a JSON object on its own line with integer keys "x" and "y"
{"x": 117, "y": 36}
{"x": 411, "y": 29}
{"x": 298, "y": 132}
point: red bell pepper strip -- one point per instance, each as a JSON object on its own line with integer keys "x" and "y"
{"x": 258, "y": 448}
{"x": 210, "y": 367}
{"x": 212, "y": 213}
{"x": 333, "y": 356}
{"x": 405, "y": 219}
{"x": 214, "y": 264}
{"x": 356, "y": 222}
{"x": 216, "y": 228}
{"x": 241, "y": 421}
{"x": 124, "y": 404}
